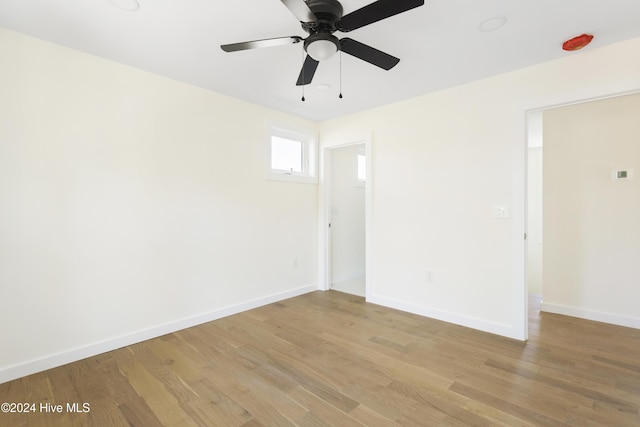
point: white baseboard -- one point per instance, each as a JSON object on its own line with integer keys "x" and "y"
{"x": 614, "y": 319}
{"x": 502, "y": 329}
{"x": 72, "y": 355}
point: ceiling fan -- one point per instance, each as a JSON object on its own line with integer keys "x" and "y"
{"x": 320, "y": 19}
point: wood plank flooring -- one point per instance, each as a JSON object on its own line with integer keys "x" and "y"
{"x": 330, "y": 359}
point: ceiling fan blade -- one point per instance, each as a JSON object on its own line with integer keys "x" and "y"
{"x": 375, "y": 12}
{"x": 307, "y": 72}
{"x": 254, "y": 44}
{"x": 367, "y": 53}
{"x": 300, "y": 10}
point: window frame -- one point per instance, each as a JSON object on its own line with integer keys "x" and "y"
{"x": 309, "y": 144}
{"x": 357, "y": 181}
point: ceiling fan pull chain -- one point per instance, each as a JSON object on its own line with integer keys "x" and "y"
{"x": 340, "y": 96}
{"x": 303, "y": 85}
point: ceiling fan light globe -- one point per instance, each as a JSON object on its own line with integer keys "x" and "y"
{"x": 321, "y": 49}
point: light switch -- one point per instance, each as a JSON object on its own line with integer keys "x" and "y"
{"x": 500, "y": 212}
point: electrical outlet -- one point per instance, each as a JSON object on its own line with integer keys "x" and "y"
{"x": 294, "y": 263}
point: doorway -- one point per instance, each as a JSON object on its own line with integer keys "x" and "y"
{"x": 588, "y": 199}
{"x": 347, "y": 241}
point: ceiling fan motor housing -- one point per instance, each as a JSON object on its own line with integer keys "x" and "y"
{"x": 327, "y": 12}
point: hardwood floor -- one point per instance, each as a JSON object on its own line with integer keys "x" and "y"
{"x": 330, "y": 359}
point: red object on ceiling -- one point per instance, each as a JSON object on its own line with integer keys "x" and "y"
{"x": 577, "y": 43}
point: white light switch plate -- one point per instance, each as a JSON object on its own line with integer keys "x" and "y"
{"x": 500, "y": 212}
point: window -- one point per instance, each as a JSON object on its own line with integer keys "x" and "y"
{"x": 360, "y": 169}
{"x": 286, "y": 155}
{"x": 291, "y": 155}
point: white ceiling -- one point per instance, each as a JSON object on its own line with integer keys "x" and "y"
{"x": 439, "y": 44}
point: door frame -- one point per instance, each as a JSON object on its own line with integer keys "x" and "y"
{"x": 324, "y": 272}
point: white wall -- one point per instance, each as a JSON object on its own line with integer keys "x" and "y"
{"x": 592, "y": 222}
{"x": 347, "y": 216}
{"x": 442, "y": 161}
{"x": 132, "y": 205}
